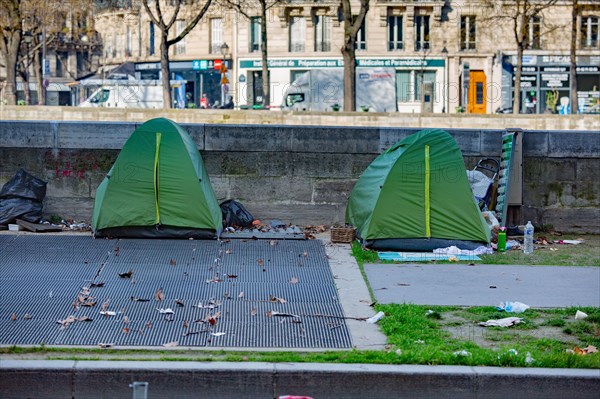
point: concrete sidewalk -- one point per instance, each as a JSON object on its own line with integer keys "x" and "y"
{"x": 485, "y": 285}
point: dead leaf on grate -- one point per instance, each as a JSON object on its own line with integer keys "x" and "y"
{"x": 84, "y": 318}
{"x": 13, "y": 317}
{"x": 212, "y": 319}
{"x": 217, "y": 334}
{"x": 27, "y": 316}
{"x": 105, "y": 345}
{"x": 260, "y": 262}
{"x": 89, "y": 303}
{"x": 272, "y": 313}
{"x": 273, "y": 242}
{"x": 127, "y": 274}
{"x": 275, "y": 299}
{"x": 125, "y": 330}
{"x": 305, "y": 254}
{"x": 136, "y": 299}
{"x": 186, "y": 325}
{"x": 241, "y": 294}
{"x": 179, "y": 302}
{"x": 149, "y": 325}
{"x": 172, "y": 262}
{"x": 97, "y": 285}
{"x": 253, "y": 312}
{"x": 159, "y": 295}
{"x": 165, "y": 311}
{"x": 171, "y": 344}
{"x": 294, "y": 280}
{"x": 105, "y": 305}
{"x": 125, "y": 319}
{"x": 229, "y": 251}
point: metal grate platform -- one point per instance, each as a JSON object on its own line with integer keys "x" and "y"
{"x": 42, "y": 276}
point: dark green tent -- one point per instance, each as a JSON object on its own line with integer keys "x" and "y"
{"x": 416, "y": 197}
{"x": 158, "y": 187}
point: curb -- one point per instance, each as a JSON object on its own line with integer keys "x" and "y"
{"x": 111, "y": 379}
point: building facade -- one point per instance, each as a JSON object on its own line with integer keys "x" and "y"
{"x": 459, "y": 54}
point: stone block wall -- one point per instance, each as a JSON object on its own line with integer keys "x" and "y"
{"x": 300, "y": 174}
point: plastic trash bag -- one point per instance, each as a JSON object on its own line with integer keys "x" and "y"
{"x": 235, "y": 214}
{"x": 21, "y": 198}
{"x": 513, "y": 307}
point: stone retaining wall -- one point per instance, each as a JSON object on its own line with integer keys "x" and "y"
{"x": 300, "y": 174}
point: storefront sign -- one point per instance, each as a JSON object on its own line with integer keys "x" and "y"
{"x": 199, "y": 65}
{"x": 588, "y": 69}
{"x": 528, "y": 81}
{"x": 555, "y": 80}
{"x": 338, "y": 63}
{"x": 555, "y": 69}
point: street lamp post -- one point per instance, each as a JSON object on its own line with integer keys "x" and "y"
{"x": 224, "y": 80}
{"x": 27, "y": 37}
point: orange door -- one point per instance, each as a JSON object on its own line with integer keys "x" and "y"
{"x": 477, "y": 103}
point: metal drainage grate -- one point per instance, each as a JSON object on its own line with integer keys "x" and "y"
{"x": 291, "y": 277}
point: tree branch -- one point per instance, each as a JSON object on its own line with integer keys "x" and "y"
{"x": 191, "y": 25}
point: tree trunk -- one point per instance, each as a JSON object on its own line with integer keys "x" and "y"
{"x": 349, "y": 54}
{"x": 11, "y": 53}
{"x": 39, "y": 78}
{"x": 517, "y": 85}
{"x": 165, "y": 71}
{"x": 573, "y": 71}
{"x": 25, "y": 81}
{"x": 264, "y": 55}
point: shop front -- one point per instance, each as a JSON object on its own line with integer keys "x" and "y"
{"x": 203, "y": 87}
{"x": 419, "y": 82}
{"x": 546, "y": 83}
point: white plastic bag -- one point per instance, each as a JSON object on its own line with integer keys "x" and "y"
{"x": 513, "y": 307}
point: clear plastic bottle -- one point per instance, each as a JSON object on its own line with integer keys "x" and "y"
{"x": 528, "y": 239}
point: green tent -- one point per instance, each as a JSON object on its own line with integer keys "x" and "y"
{"x": 416, "y": 197}
{"x": 158, "y": 187}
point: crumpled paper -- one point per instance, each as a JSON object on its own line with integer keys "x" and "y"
{"x": 506, "y": 322}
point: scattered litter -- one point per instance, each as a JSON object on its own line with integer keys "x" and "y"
{"x": 513, "y": 244}
{"x": 579, "y": 315}
{"x": 420, "y": 256}
{"x": 572, "y": 242}
{"x": 420, "y": 341}
{"x": 272, "y": 313}
{"x": 217, "y": 334}
{"x": 376, "y": 318}
{"x": 529, "y": 359}
{"x": 506, "y": 322}
{"x": 585, "y": 351}
{"x": 165, "y": 311}
{"x": 108, "y": 313}
{"x": 512, "y": 307}
{"x": 462, "y": 353}
{"x": 399, "y": 352}
{"x": 454, "y": 250}
{"x": 105, "y": 345}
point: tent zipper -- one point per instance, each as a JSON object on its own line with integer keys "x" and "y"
{"x": 156, "y": 175}
{"x": 427, "y": 199}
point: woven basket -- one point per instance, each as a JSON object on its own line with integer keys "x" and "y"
{"x": 343, "y": 234}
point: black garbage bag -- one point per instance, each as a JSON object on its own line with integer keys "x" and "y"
{"x": 25, "y": 209}
{"x": 24, "y": 185}
{"x": 22, "y": 198}
{"x": 235, "y": 214}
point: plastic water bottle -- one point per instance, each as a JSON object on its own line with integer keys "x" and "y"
{"x": 528, "y": 239}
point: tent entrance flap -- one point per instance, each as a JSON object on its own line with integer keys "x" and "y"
{"x": 427, "y": 194}
{"x": 156, "y": 177}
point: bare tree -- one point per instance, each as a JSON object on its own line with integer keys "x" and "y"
{"x": 164, "y": 24}
{"x": 10, "y": 41}
{"x": 573, "y": 70}
{"x": 352, "y": 25}
{"x": 519, "y": 14}
{"x": 249, "y": 9}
